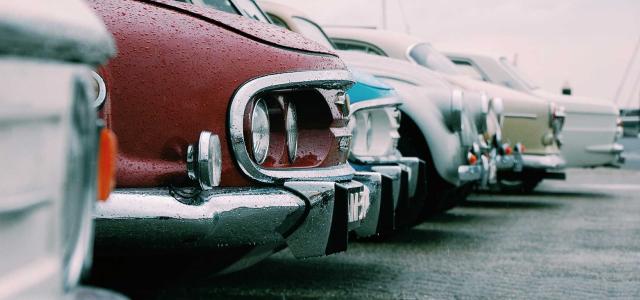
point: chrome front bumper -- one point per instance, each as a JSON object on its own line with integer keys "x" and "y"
{"x": 311, "y": 218}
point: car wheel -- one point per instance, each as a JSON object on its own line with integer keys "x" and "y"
{"x": 441, "y": 195}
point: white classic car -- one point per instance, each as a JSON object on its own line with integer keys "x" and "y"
{"x": 51, "y": 147}
{"x": 529, "y": 120}
{"x": 592, "y": 126}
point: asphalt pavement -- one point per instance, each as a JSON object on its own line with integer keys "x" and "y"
{"x": 573, "y": 239}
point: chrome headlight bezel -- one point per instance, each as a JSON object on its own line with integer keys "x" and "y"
{"x": 374, "y": 125}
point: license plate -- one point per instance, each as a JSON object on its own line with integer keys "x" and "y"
{"x": 358, "y": 204}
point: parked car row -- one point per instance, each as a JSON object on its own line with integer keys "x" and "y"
{"x": 243, "y": 125}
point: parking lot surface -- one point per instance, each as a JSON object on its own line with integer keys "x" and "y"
{"x": 578, "y": 238}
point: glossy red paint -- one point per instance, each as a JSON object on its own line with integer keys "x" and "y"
{"x": 174, "y": 77}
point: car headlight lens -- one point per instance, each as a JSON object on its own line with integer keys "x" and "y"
{"x": 260, "y": 131}
{"x": 204, "y": 161}
{"x": 291, "y": 127}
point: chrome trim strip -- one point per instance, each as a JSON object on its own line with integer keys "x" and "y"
{"x": 375, "y": 103}
{"x": 520, "y": 115}
{"x": 317, "y": 79}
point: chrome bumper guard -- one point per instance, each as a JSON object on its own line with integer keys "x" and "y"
{"x": 403, "y": 188}
{"x": 312, "y": 218}
{"x": 393, "y": 193}
{"x": 499, "y": 163}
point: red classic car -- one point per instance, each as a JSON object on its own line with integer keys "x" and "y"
{"x": 232, "y": 133}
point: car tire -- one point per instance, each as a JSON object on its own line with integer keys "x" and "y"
{"x": 441, "y": 195}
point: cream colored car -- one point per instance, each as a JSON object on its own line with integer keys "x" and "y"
{"x": 533, "y": 121}
{"x": 591, "y": 130}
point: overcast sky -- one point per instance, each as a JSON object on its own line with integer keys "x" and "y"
{"x": 586, "y": 42}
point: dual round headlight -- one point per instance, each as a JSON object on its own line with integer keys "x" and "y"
{"x": 291, "y": 128}
{"x": 260, "y": 130}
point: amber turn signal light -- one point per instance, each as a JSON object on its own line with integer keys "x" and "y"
{"x": 106, "y": 163}
{"x": 508, "y": 150}
{"x": 472, "y": 159}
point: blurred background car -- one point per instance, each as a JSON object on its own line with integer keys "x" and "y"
{"x": 56, "y": 157}
{"x": 591, "y": 128}
{"x": 535, "y": 123}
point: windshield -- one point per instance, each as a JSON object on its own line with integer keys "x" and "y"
{"x": 312, "y": 31}
{"x": 516, "y": 74}
{"x": 427, "y": 56}
{"x": 223, "y": 5}
{"x": 250, "y": 9}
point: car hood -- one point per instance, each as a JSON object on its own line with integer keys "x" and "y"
{"x": 260, "y": 31}
{"x": 64, "y": 29}
{"x": 579, "y": 104}
{"x": 368, "y": 87}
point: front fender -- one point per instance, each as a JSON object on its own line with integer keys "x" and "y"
{"x": 445, "y": 146}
